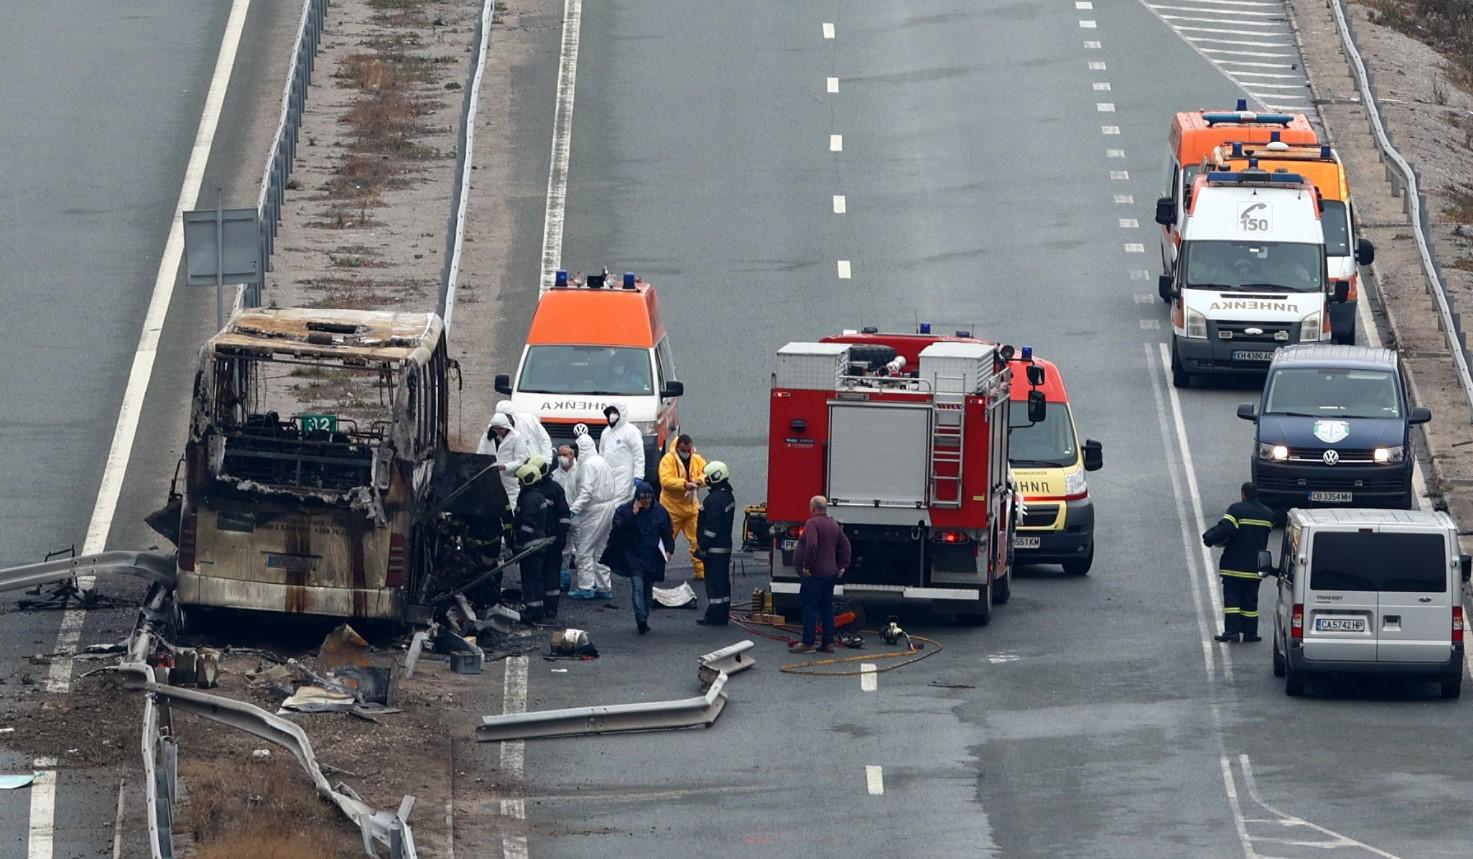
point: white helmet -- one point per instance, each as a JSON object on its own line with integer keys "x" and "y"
{"x": 529, "y": 473}
{"x": 716, "y": 471}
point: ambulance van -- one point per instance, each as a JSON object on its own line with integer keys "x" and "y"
{"x": 1321, "y": 166}
{"x": 1048, "y": 470}
{"x": 1194, "y": 134}
{"x": 592, "y": 343}
{"x": 1250, "y": 276}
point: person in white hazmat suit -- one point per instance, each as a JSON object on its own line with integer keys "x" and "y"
{"x": 512, "y": 450}
{"x": 593, "y": 515}
{"x": 622, "y": 446}
{"x": 529, "y": 426}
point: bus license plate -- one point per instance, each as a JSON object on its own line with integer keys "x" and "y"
{"x": 1331, "y": 497}
{"x": 1339, "y": 624}
{"x": 1252, "y": 355}
{"x": 1021, "y": 542}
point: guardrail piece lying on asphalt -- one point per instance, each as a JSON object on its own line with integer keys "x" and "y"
{"x": 158, "y": 567}
{"x": 658, "y": 716}
{"x": 728, "y": 660}
{"x": 389, "y": 828}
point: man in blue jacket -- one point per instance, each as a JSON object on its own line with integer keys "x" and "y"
{"x": 639, "y": 545}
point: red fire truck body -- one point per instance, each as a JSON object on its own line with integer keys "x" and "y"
{"x": 907, "y": 436}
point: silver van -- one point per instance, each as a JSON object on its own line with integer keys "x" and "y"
{"x": 1369, "y": 591}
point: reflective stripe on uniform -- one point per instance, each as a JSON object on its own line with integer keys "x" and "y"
{"x": 1231, "y": 518}
{"x": 1231, "y": 609}
{"x": 528, "y": 528}
{"x": 708, "y": 533}
{"x": 1259, "y": 522}
{"x": 1246, "y": 613}
{"x": 719, "y": 600}
{"x": 1239, "y": 574}
{"x": 553, "y": 593}
{"x": 718, "y": 551}
{"x": 535, "y": 603}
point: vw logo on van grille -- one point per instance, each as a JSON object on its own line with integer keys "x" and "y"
{"x": 1331, "y": 457}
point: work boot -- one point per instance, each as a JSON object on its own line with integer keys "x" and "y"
{"x": 801, "y": 648}
{"x": 1249, "y": 639}
{"x": 1226, "y": 637}
{"x": 643, "y": 626}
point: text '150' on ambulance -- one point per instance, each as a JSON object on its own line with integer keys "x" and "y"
{"x": 1194, "y": 135}
{"x": 595, "y": 342}
{"x": 1048, "y": 465}
{"x": 1250, "y": 273}
{"x": 1321, "y": 166}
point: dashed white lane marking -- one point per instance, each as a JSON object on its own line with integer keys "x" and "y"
{"x": 836, "y": 143}
{"x": 832, "y": 84}
{"x": 1150, "y": 324}
{"x": 1129, "y": 224}
{"x": 1135, "y": 248}
{"x": 828, "y": 30}
{"x": 1139, "y": 274}
{"x": 1100, "y": 86}
{"x": 1105, "y": 106}
{"x": 513, "y": 754}
{"x": 874, "y": 778}
{"x": 42, "y": 838}
{"x": 869, "y": 680}
{"x": 1096, "y": 66}
{"x": 562, "y": 144}
{"x": 840, "y": 204}
{"x": 1091, "y": 45}
{"x": 1120, "y": 175}
{"x": 1086, "y": 24}
{"x": 1110, "y": 129}
{"x": 1083, "y": 5}
{"x": 1144, "y": 298}
{"x": 1125, "y": 199}
{"x": 1114, "y": 153}
{"x": 844, "y": 270}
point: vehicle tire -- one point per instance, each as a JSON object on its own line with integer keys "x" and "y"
{"x": 981, "y": 613}
{"x": 873, "y": 356}
{"x": 1293, "y": 681}
{"x": 1180, "y": 378}
{"x": 1452, "y": 689}
{"x": 1279, "y": 664}
{"x": 1080, "y": 566}
{"x": 1004, "y": 589}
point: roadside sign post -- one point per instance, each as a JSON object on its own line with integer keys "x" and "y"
{"x": 222, "y": 246}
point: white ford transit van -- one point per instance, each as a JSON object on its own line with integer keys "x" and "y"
{"x": 1369, "y": 591}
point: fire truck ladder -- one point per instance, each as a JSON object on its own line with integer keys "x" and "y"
{"x": 947, "y": 422}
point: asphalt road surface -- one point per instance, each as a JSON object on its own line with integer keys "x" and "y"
{"x": 998, "y": 164}
{"x": 102, "y": 105}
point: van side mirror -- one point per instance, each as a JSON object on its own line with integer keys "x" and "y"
{"x": 1165, "y": 211}
{"x": 1266, "y": 562}
{"x": 672, "y": 389}
{"x": 1166, "y": 287}
{"x": 1365, "y": 252}
{"x": 1248, "y": 411}
{"x": 1036, "y": 375}
{"x": 503, "y": 384}
{"x": 1094, "y": 455}
{"x": 1340, "y": 292}
{"x": 1465, "y": 564}
{"x": 1037, "y": 407}
{"x": 1420, "y": 415}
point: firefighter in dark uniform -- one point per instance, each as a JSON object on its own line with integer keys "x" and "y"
{"x": 559, "y": 525}
{"x": 1243, "y": 532}
{"x": 532, "y": 523}
{"x": 713, "y": 543}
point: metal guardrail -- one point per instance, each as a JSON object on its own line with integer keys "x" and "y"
{"x": 695, "y": 712}
{"x": 464, "y": 154}
{"x": 158, "y": 567}
{"x": 284, "y": 144}
{"x": 729, "y": 660}
{"x": 1450, "y": 321}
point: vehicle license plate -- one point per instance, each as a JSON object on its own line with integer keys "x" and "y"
{"x": 789, "y": 545}
{"x": 1339, "y": 624}
{"x": 1021, "y": 542}
{"x": 1252, "y": 355}
{"x": 1330, "y": 497}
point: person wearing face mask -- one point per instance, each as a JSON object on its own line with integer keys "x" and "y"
{"x": 682, "y": 472}
{"x": 528, "y": 425}
{"x": 593, "y": 514}
{"x": 511, "y": 449}
{"x": 622, "y": 446}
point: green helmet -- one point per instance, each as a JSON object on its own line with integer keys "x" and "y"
{"x": 543, "y": 466}
{"x": 716, "y": 471}
{"x": 529, "y": 474}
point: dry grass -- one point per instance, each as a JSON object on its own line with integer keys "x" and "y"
{"x": 1446, "y": 25}
{"x": 240, "y": 807}
{"x": 1460, "y": 204}
{"x": 266, "y": 843}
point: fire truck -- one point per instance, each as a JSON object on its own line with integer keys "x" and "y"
{"x": 907, "y": 436}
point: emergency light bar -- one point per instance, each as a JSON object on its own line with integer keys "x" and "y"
{"x": 1260, "y": 177}
{"x": 1246, "y": 117}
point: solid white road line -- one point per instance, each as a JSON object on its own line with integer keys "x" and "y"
{"x": 1291, "y": 820}
{"x": 1210, "y": 40}
{"x": 562, "y": 144}
{"x": 1249, "y": 63}
{"x": 1277, "y": 16}
{"x": 1255, "y": 85}
{"x": 836, "y": 143}
{"x": 832, "y": 84}
{"x": 844, "y": 269}
{"x": 841, "y": 205}
{"x": 1263, "y": 54}
{"x": 828, "y": 30}
{"x": 513, "y": 754}
{"x": 42, "y": 838}
{"x": 874, "y": 778}
{"x": 118, "y": 819}
{"x": 1265, "y": 75}
{"x": 1273, "y": 28}
{"x": 869, "y": 681}
{"x": 1238, "y": 822}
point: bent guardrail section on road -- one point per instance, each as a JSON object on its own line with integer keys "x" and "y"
{"x": 464, "y": 155}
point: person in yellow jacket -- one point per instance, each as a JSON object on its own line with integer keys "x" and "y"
{"x": 682, "y": 472}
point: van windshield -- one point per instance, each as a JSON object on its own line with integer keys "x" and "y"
{"x": 609, "y": 370}
{"x": 1326, "y": 391}
{"x": 1355, "y": 561}
{"x": 1336, "y": 223}
{"x": 1292, "y": 266}
{"x": 1048, "y": 443}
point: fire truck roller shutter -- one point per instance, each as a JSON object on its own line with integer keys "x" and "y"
{"x": 879, "y": 454}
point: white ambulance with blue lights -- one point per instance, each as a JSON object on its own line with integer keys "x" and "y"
{"x": 1250, "y": 276}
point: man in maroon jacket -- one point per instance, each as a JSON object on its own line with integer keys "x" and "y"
{"x": 821, "y": 556}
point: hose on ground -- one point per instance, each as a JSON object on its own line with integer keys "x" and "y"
{"x": 920, "y": 648}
